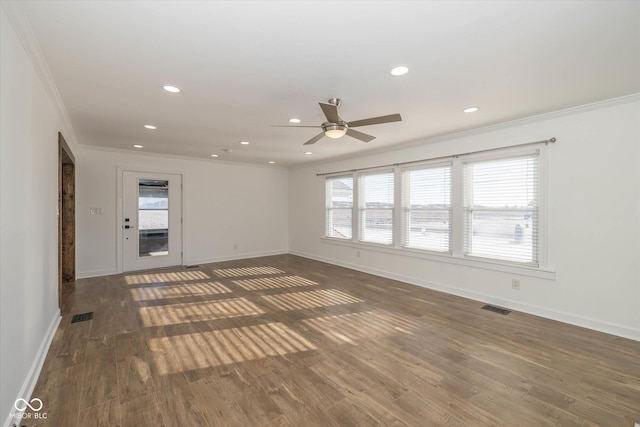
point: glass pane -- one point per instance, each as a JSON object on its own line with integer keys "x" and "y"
{"x": 429, "y": 230}
{"x": 339, "y": 224}
{"x": 505, "y": 235}
{"x": 153, "y": 217}
{"x": 377, "y": 226}
{"x": 504, "y": 183}
{"x": 340, "y": 192}
{"x": 430, "y": 188}
{"x": 377, "y": 190}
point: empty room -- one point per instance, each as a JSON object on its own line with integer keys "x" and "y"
{"x": 319, "y": 213}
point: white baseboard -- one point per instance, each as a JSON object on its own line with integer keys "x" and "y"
{"x": 234, "y": 257}
{"x": 112, "y": 271}
{"x": 597, "y": 325}
{"x": 34, "y": 372}
{"x": 97, "y": 273}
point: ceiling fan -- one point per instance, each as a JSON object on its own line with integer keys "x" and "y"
{"x": 335, "y": 127}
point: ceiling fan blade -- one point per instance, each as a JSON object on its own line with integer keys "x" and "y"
{"x": 359, "y": 135}
{"x": 330, "y": 111}
{"x": 315, "y": 139}
{"x": 376, "y": 120}
{"x": 288, "y": 126}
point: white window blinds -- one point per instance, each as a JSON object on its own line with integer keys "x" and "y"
{"x": 427, "y": 208}
{"x": 339, "y": 207}
{"x": 501, "y": 208}
{"x": 376, "y": 208}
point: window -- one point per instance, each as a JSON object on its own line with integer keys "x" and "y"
{"x": 427, "y": 208}
{"x": 339, "y": 207}
{"x": 483, "y": 209}
{"x": 501, "y": 209}
{"x": 376, "y": 207}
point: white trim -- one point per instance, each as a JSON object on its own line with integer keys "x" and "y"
{"x": 539, "y": 272}
{"x": 235, "y": 257}
{"x": 585, "y": 322}
{"x": 478, "y": 131}
{"x": 34, "y": 372}
{"x": 204, "y": 159}
{"x": 96, "y": 273}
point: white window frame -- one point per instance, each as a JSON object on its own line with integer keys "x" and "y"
{"x": 541, "y": 200}
{"x": 456, "y": 255}
{"x": 405, "y": 210}
{"x": 361, "y": 209}
{"x": 328, "y": 208}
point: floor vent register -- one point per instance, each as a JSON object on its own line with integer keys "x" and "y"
{"x": 82, "y": 317}
{"x": 496, "y": 309}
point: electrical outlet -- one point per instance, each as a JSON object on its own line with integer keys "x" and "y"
{"x": 358, "y": 254}
{"x": 235, "y": 247}
{"x": 515, "y": 284}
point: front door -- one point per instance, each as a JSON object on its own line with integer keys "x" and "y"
{"x": 152, "y": 220}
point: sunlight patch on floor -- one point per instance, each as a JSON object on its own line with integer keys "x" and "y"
{"x": 273, "y": 283}
{"x": 178, "y": 276}
{"x": 247, "y": 271}
{"x": 157, "y": 292}
{"x": 228, "y": 346}
{"x": 197, "y": 312}
{"x": 354, "y": 326}
{"x": 310, "y": 299}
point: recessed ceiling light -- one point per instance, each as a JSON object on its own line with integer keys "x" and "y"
{"x": 171, "y": 89}
{"x": 271, "y": 162}
{"x": 470, "y": 109}
{"x": 294, "y": 120}
{"x": 137, "y": 146}
{"x": 244, "y": 142}
{"x": 152, "y": 127}
{"x": 400, "y": 70}
{"x": 214, "y": 155}
{"x": 308, "y": 152}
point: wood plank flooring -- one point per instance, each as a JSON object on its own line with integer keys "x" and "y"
{"x": 287, "y": 341}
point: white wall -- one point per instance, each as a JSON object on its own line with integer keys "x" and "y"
{"x": 29, "y": 129}
{"x": 225, "y": 205}
{"x": 593, "y": 217}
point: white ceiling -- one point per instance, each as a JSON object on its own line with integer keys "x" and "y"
{"x": 245, "y": 65}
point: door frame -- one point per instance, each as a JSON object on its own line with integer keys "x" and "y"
{"x": 120, "y": 214}
{"x": 65, "y": 156}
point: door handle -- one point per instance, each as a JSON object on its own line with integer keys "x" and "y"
{"x": 126, "y": 227}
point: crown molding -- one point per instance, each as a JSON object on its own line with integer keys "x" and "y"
{"x": 17, "y": 15}
{"x": 149, "y": 154}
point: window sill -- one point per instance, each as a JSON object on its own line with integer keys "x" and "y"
{"x": 539, "y": 272}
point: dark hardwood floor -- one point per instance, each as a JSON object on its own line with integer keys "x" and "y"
{"x": 285, "y": 340}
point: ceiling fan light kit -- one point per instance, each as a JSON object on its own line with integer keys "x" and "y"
{"x": 333, "y": 130}
{"x": 335, "y": 127}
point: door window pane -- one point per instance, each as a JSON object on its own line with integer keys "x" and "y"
{"x": 153, "y": 217}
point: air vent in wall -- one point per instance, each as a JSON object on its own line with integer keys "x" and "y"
{"x": 496, "y": 309}
{"x": 82, "y": 317}
{"x": 192, "y": 266}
